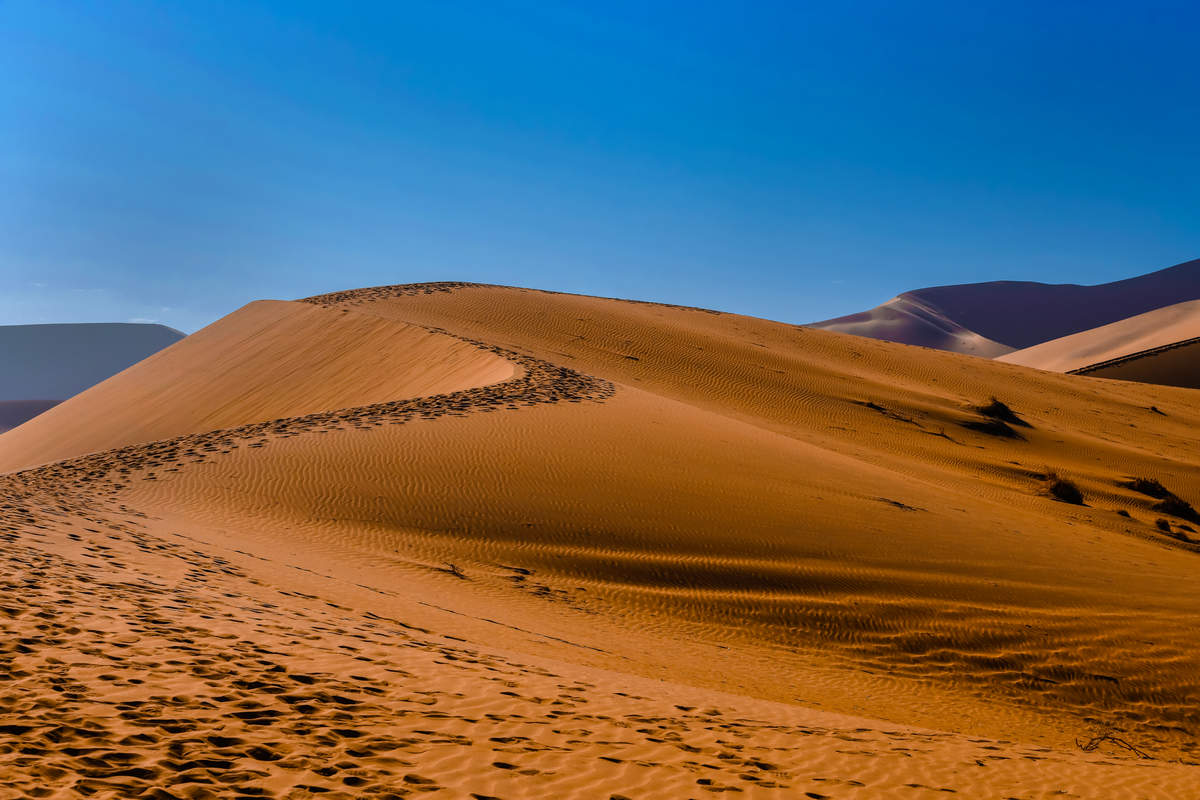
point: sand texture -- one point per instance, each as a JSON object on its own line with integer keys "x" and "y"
{"x": 486, "y": 542}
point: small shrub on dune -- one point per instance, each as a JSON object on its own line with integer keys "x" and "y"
{"x": 995, "y": 409}
{"x": 992, "y": 427}
{"x": 1165, "y": 526}
{"x": 1168, "y": 501}
{"x": 1147, "y": 486}
{"x": 1176, "y": 508}
{"x": 1061, "y": 489}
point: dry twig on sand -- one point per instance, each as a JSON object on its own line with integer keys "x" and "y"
{"x": 1109, "y": 735}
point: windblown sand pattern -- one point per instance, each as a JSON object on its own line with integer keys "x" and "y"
{"x": 146, "y": 667}
{"x": 649, "y": 554}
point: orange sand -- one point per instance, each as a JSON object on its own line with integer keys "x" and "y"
{"x": 491, "y": 542}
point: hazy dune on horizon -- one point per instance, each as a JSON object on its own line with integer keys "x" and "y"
{"x": 993, "y": 318}
{"x": 42, "y": 365}
{"x": 16, "y": 412}
{"x": 910, "y": 319}
{"x": 509, "y": 543}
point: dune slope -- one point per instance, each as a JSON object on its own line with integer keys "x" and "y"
{"x": 1159, "y": 328}
{"x": 268, "y": 360}
{"x": 1174, "y": 364}
{"x": 635, "y": 550}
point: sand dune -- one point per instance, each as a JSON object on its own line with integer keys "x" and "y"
{"x": 532, "y": 544}
{"x": 41, "y": 365}
{"x": 911, "y": 320}
{"x": 989, "y": 319}
{"x": 268, "y": 360}
{"x": 15, "y": 412}
{"x": 1154, "y": 329}
{"x": 1175, "y": 364}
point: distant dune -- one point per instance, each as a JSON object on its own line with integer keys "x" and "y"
{"x": 989, "y": 319}
{"x": 911, "y": 319}
{"x": 1175, "y": 364}
{"x": 1154, "y": 329}
{"x": 502, "y": 543}
{"x": 14, "y": 412}
{"x": 42, "y": 365}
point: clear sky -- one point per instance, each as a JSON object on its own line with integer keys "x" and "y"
{"x": 171, "y": 161}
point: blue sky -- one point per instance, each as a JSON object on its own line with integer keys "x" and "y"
{"x": 174, "y": 160}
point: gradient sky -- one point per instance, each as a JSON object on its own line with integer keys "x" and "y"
{"x": 171, "y": 161}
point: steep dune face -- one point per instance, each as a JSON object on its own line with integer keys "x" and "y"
{"x": 270, "y": 359}
{"x": 1016, "y": 314}
{"x": 1154, "y": 329}
{"x": 659, "y": 549}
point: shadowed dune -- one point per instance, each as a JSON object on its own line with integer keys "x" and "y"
{"x": 41, "y": 365}
{"x": 989, "y": 319}
{"x": 506, "y": 543}
{"x": 1162, "y": 327}
{"x": 1175, "y": 364}
{"x": 15, "y": 412}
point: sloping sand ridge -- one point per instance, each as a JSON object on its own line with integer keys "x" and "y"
{"x": 1154, "y": 329}
{"x": 633, "y": 550}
